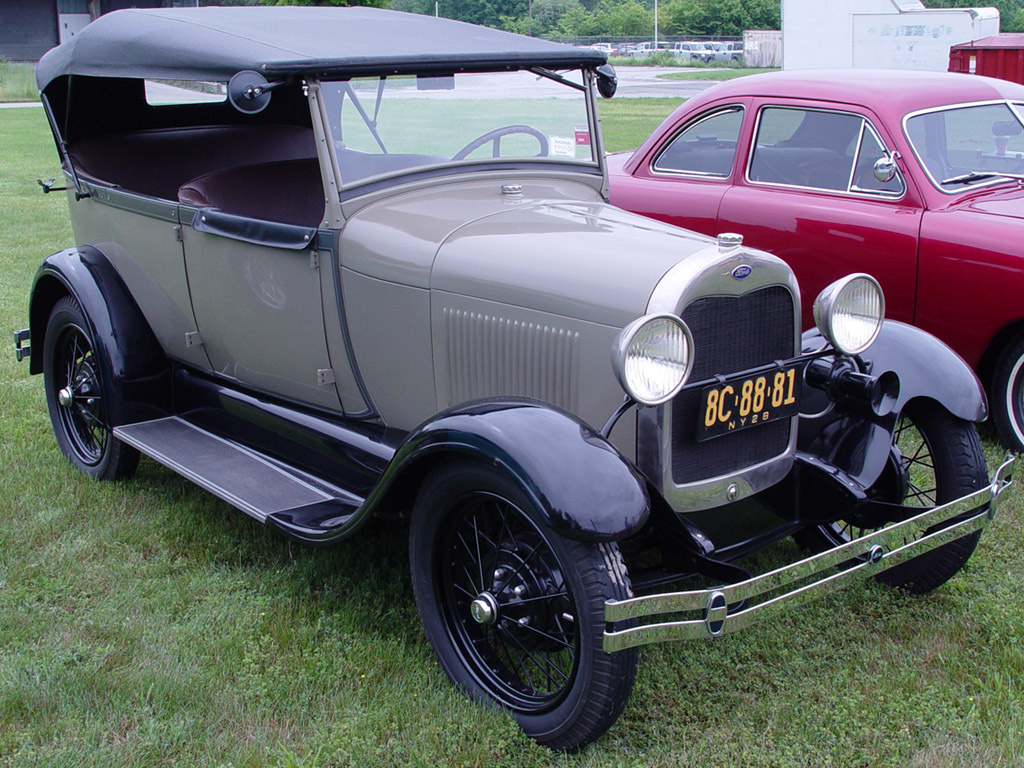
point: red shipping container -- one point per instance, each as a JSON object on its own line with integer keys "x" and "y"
{"x": 999, "y": 56}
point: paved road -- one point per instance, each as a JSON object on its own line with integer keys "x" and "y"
{"x": 643, "y": 82}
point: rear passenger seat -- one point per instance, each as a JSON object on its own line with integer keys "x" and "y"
{"x": 287, "y": 191}
{"x": 158, "y": 162}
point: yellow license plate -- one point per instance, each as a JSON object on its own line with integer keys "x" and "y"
{"x": 746, "y": 401}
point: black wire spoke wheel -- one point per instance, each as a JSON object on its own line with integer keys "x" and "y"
{"x": 918, "y": 464}
{"x": 75, "y": 396}
{"x": 910, "y": 479}
{"x": 936, "y": 458}
{"x": 78, "y": 395}
{"x": 514, "y": 611}
{"x": 497, "y": 568}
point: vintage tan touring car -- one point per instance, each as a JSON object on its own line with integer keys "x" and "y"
{"x": 333, "y": 262}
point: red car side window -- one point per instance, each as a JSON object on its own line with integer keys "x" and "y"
{"x": 869, "y": 152}
{"x": 706, "y": 147}
{"x": 818, "y": 149}
{"x": 805, "y": 148}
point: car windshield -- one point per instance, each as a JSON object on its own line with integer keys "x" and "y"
{"x": 964, "y": 146}
{"x": 388, "y": 125}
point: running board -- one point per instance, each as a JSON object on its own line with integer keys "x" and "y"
{"x": 296, "y": 503}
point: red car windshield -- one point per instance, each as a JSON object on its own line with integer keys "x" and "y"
{"x": 966, "y": 145}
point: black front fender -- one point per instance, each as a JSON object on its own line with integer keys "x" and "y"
{"x": 134, "y": 373}
{"x": 927, "y": 368}
{"x": 855, "y": 441}
{"x": 583, "y": 487}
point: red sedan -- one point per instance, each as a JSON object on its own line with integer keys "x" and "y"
{"x": 914, "y": 177}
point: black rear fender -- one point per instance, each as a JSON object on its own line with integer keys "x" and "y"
{"x": 134, "y": 373}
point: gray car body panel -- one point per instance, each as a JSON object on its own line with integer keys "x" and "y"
{"x": 588, "y": 261}
{"x": 389, "y": 326}
{"x": 445, "y": 286}
{"x": 395, "y": 235}
{"x": 260, "y": 314}
{"x": 464, "y": 292}
{"x": 148, "y": 255}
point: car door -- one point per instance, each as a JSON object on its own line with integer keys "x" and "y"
{"x": 808, "y": 195}
{"x": 254, "y": 270}
{"x": 683, "y": 179}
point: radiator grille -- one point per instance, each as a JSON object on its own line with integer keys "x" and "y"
{"x": 492, "y": 356}
{"x": 731, "y": 334}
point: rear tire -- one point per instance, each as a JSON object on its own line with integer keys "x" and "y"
{"x": 1007, "y": 395}
{"x": 514, "y": 612}
{"x": 942, "y": 460}
{"x": 74, "y": 397}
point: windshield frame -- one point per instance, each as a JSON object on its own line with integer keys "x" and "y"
{"x": 594, "y": 166}
{"x": 1015, "y": 109}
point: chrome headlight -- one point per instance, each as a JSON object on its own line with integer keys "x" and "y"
{"x": 652, "y": 358}
{"x": 849, "y": 313}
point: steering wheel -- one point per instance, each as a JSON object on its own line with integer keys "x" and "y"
{"x": 495, "y": 136}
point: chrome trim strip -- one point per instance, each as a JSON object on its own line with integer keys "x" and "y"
{"x": 153, "y": 207}
{"x": 856, "y": 155}
{"x": 878, "y": 551}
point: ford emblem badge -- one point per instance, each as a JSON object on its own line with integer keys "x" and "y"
{"x": 741, "y": 271}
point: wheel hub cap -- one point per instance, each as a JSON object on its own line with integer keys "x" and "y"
{"x": 484, "y": 609}
{"x": 65, "y": 397}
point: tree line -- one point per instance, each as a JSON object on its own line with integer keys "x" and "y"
{"x": 581, "y": 18}
{"x": 621, "y": 18}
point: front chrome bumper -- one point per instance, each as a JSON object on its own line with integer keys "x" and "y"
{"x": 870, "y": 554}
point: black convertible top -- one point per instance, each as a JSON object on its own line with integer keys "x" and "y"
{"x": 216, "y": 42}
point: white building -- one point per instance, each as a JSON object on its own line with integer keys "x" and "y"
{"x": 901, "y": 34}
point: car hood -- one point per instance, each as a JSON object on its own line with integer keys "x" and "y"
{"x": 1009, "y": 203}
{"x": 589, "y": 261}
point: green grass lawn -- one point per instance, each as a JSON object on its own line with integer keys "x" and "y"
{"x": 146, "y": 623}
{"x": 17, "y": 82}
{"x": 625, "y": 123}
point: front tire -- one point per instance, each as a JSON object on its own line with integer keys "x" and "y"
{"x": 940, "y": 459}
{"x": 74, "y": 397}
{"x": 515, "y": 612}
{"x": 1008, "y": 395}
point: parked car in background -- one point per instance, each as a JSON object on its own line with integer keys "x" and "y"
{"x": 691, "y": 51}
{"x": 382, "y": 276}
{"x": 729, "y": 51}
{"x": 913, "y": 177}
{"x": 648, "y": 48}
